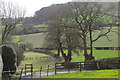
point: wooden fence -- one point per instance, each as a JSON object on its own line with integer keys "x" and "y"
{"x": 79, "y": 66}
{"x": 69, "y": 66}
{"x": 29, "y": 68}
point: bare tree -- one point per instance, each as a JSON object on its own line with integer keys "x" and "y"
{"x": 63, "y": 36}
{"x": 10, "y": 16}
{"x": 88, "y": 18}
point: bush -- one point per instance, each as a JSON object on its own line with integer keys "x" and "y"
{"x": 19, "y": 52}
{"x": 70, "y": 65}
{"x": 109, "y": 63}
{"x": 91, "y": 65}
{"x": 9, "y": 60}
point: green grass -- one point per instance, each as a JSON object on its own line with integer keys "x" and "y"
{"x": 103, "y": 41}
{"x": 38, "y": 39}
{"x": 85, "y": 75}
{"x": 33, "y": 54}
{"x": 37, "y": 63}
{"x": 89, "y": 74}
{"x": 40, "y": 25}
{"x": 99, "y": 54}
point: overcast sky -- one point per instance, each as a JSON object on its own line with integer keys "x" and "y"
{"x": 33, "y": 5}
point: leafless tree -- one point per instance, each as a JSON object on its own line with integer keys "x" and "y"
{"x": 62, "y": 34}
{"x": 10, "y": 16}
{"x": 90, "y": 17}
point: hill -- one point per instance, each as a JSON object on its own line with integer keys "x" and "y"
{"x": 44, "y": 14}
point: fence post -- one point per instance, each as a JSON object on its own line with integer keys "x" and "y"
{"x": 40, "y": 70}
{"x": 48, "y": 70}
{"x": 55, "y": 68}
{"x": 31, "y": 71}
{"x": 9, "y": 77}
{"x": 25, "y": 69}
{"x": 68, "y": 67}
{"x": 21, "y": 74}
{"x": 80, "y": 66}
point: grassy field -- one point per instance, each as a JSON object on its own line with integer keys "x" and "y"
{"x": 103, "y": 41}
{"x": 38, "y": 39}
{"x": 40, "y": 25}
{"x": 89, "y": 74}
{"x": 99, "y": 54}
{"x": 38, "y": 62}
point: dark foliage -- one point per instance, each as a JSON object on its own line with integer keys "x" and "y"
{"x": 9, "y": 60}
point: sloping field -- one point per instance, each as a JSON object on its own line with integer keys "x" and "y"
{"x": 38, "y": 39}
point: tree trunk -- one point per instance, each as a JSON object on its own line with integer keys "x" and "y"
{"x": 63, "y": 54}
{"x": 85, "y": 48}
{"x": 91, "y": 48}
{"x": 58, "y": 53}
{"x": 69, "y": 50}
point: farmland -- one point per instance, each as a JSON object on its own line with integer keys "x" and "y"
{"x": 38, "y": 61}
{"x": 89, "y": 74}
{"x": 71, "y": 25}
{"x": 99, "y": 54}
{"x": 38, "y": 39}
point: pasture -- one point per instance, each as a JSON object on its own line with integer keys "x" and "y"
{"x": 98, "y": 54}
{"x": 35, "y": 39}
{"x": 38, "y": 39}
{"x": 38, "y": 60}
{"x": 88, "y": 74}
{"x": 40, "y": 25}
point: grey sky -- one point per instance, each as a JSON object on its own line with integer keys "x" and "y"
{"x": 33, "y": 5}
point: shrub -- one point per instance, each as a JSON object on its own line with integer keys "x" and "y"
{"x": 19, "y": 52}
{"x": 90, "y": 65}
{"x": 9, "y": 60}
{"x": 70, "y": 65}
{"x": 109, "y": 63}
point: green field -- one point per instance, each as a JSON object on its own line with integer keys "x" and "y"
{"x": 38, "y": 61}
{"x": 99, "y": 54}
{"x": 103, "y": 41}
{"x": 40, "y": 25}
{"x": 38, "y": 39}
{"x": 89, "y": 74}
